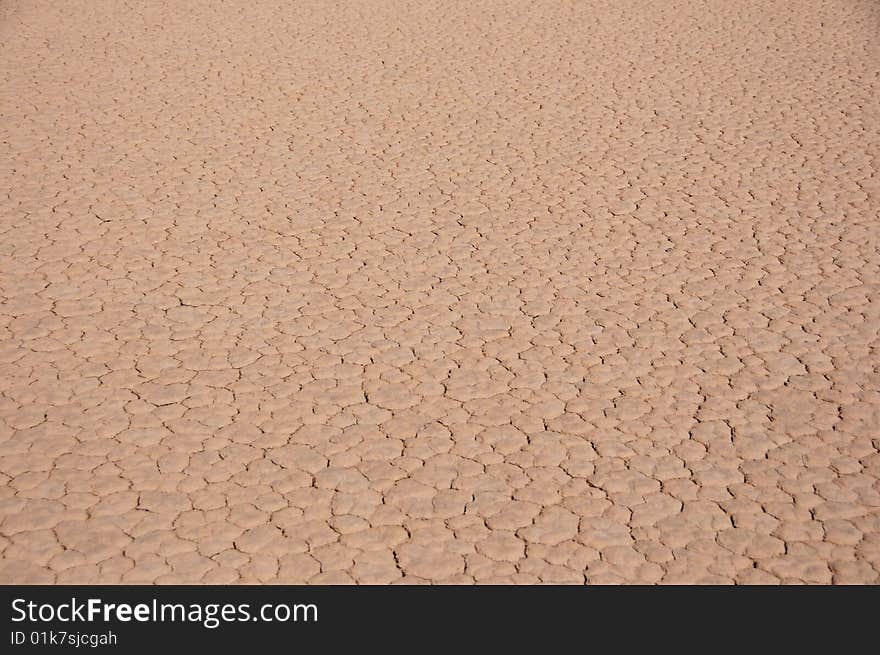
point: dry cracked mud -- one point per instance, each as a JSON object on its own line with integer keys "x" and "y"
{"x": 450, "y": 292}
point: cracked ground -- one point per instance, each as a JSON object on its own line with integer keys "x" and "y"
{"x": 449, "y": 292}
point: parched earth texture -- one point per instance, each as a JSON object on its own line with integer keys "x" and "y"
{"x": 391, "y": 291}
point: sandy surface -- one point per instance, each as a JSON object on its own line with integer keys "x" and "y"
{"x": 452, "y": 292}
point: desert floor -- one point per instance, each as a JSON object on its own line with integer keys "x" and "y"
{"x": 412, "y": 291}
